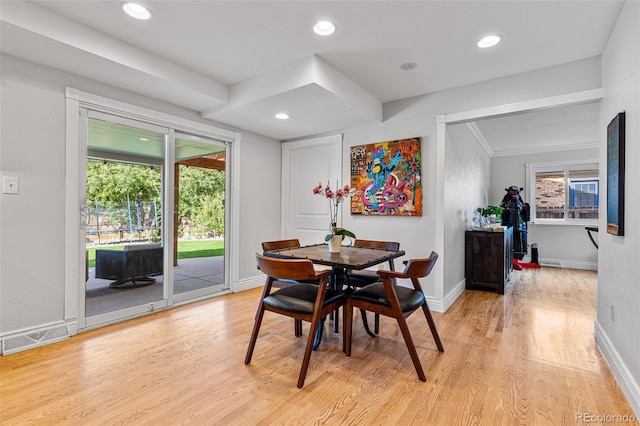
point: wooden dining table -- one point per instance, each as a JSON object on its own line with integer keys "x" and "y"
{"x": 349, "y": 258}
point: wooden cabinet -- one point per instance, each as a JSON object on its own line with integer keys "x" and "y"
{"x": 488, "y": 259}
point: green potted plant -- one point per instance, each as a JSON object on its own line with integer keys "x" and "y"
{"x": 494, "y": 210}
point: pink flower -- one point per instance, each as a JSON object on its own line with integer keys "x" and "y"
{"x": 335, "y": 198}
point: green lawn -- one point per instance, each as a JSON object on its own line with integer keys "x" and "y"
{"x": 186, "y": 250}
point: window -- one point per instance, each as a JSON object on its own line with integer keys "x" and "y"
{"x": 565, "y": 192}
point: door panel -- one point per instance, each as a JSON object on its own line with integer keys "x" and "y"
{"x": 199, "y": 217}
{"x": 305, "y": 164}
{"x": 123, "y": 218}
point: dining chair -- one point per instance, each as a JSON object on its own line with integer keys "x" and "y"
{"x": 303, "y": 301}
{"x": 279, "y": 245}
{"x": 358, "y": 279}
{"x": 391, "y": 300}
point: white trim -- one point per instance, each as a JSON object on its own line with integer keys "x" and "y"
{"x": 453, "y": 295}
{"x": 121, "y": 315}
{"x": 443, "y": 304}
{"x": 551, "y": 166}
{"x": 248, "y": 283}
{"x": 628, "y": 384}
{"x": 168, "y": 197}
{"x": 73, "y": 211}
{"x": 438, "y": 270}
{"x": 569, "y": 264}
{"x": 74, "y": 274}
{"x": 202, "y": 297}
{"x": 567, "y": 99}
{"x": 435, "y": 304}
{"x": 232, "y": 222}
{"x": 111, "y": 106}
{"x": 119, "y": 119}
{"x": 479, "y": 137}
{"x": 442, "y": 120}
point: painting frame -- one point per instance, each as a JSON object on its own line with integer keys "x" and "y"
{"x": 615, "y": 175}
{"x": 387, "y": 178}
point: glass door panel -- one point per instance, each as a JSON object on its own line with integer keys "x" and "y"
{"x": 124, "y": 228}
{"x": 199, "y": 217}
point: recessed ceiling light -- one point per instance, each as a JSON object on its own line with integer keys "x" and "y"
{"x": 136, "y": 10}
{"x": 143, "y": 139}
{"x": 282, "y": 116}
{"x": 408, "y": 66}
{"x": 489, "y": 41}
{"x": 324, "y": 28}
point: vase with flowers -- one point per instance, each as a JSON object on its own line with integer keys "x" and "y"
{"x": 336, "y": 234}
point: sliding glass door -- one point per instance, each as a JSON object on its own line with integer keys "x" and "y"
{"x": 154, "y": 217}
{"x": 124, "y": 234}
{"x": 200, "y": 192}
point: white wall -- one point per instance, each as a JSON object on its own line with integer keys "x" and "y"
{"x": 32, "y": 147}
{"x": 416, "y": 117}
{"x": 619, "y": 256}
{"x": 567, "y": 244}
{"x": 466, "y": 187}
{"x": 27, "y": 85}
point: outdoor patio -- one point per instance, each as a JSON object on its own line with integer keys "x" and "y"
{"x": 189, "y": 275}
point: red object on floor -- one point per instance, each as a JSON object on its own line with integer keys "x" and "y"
{"x": 517, "y": 265}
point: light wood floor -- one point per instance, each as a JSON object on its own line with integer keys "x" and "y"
{"x": 528, "y": 357}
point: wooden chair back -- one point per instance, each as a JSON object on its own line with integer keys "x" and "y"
{"x": 386, "y": 245}
{"x": 420, "y": 268}
{"x": 286, "y": 269}
{"x": 383, "y": 245}
{"x": 280, "y": 244}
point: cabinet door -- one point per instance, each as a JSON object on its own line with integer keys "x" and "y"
{"x": 487, "y": 252}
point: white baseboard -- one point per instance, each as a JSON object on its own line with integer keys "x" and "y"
{"x": 627, "y": 382}
{"x": 570, "y": 264}
{"x": 33, "y": 337}
{"x": 437, "y": 305}
{"x": 453, "y": 295}
{"x": 248, "y": 283}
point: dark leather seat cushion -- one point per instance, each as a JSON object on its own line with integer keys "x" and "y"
{"x": 409, "y": 299}
{"x": 300, "y": 298}
{"x": 362, "y": 278}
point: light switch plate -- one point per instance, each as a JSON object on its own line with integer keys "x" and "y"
{"x": 10, "y": 185}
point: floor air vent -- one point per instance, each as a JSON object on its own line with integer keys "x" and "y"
{"x": 22, "y": 342}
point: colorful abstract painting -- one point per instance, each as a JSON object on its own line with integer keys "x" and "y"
{"x": 386, "y": 176}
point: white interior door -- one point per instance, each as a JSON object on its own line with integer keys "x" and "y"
{"x": 305, "y": 163}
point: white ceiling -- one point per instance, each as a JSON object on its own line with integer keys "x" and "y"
{"x": 241, "y": 62}
{"x": 557, "y": 129}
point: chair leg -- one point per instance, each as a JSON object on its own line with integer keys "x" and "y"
{"x": 376, "y": 324}
{"x": 347, "y": 327}
{"x": 432, "y": 326}
{"x": 365, "y": 323}
{"x": 319, "y": 334}
{"x": 411, "y": 347}
{"x": 297, "y": 327}
{"x": 307, "y": 352}
{"x": 254, "y": 335}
